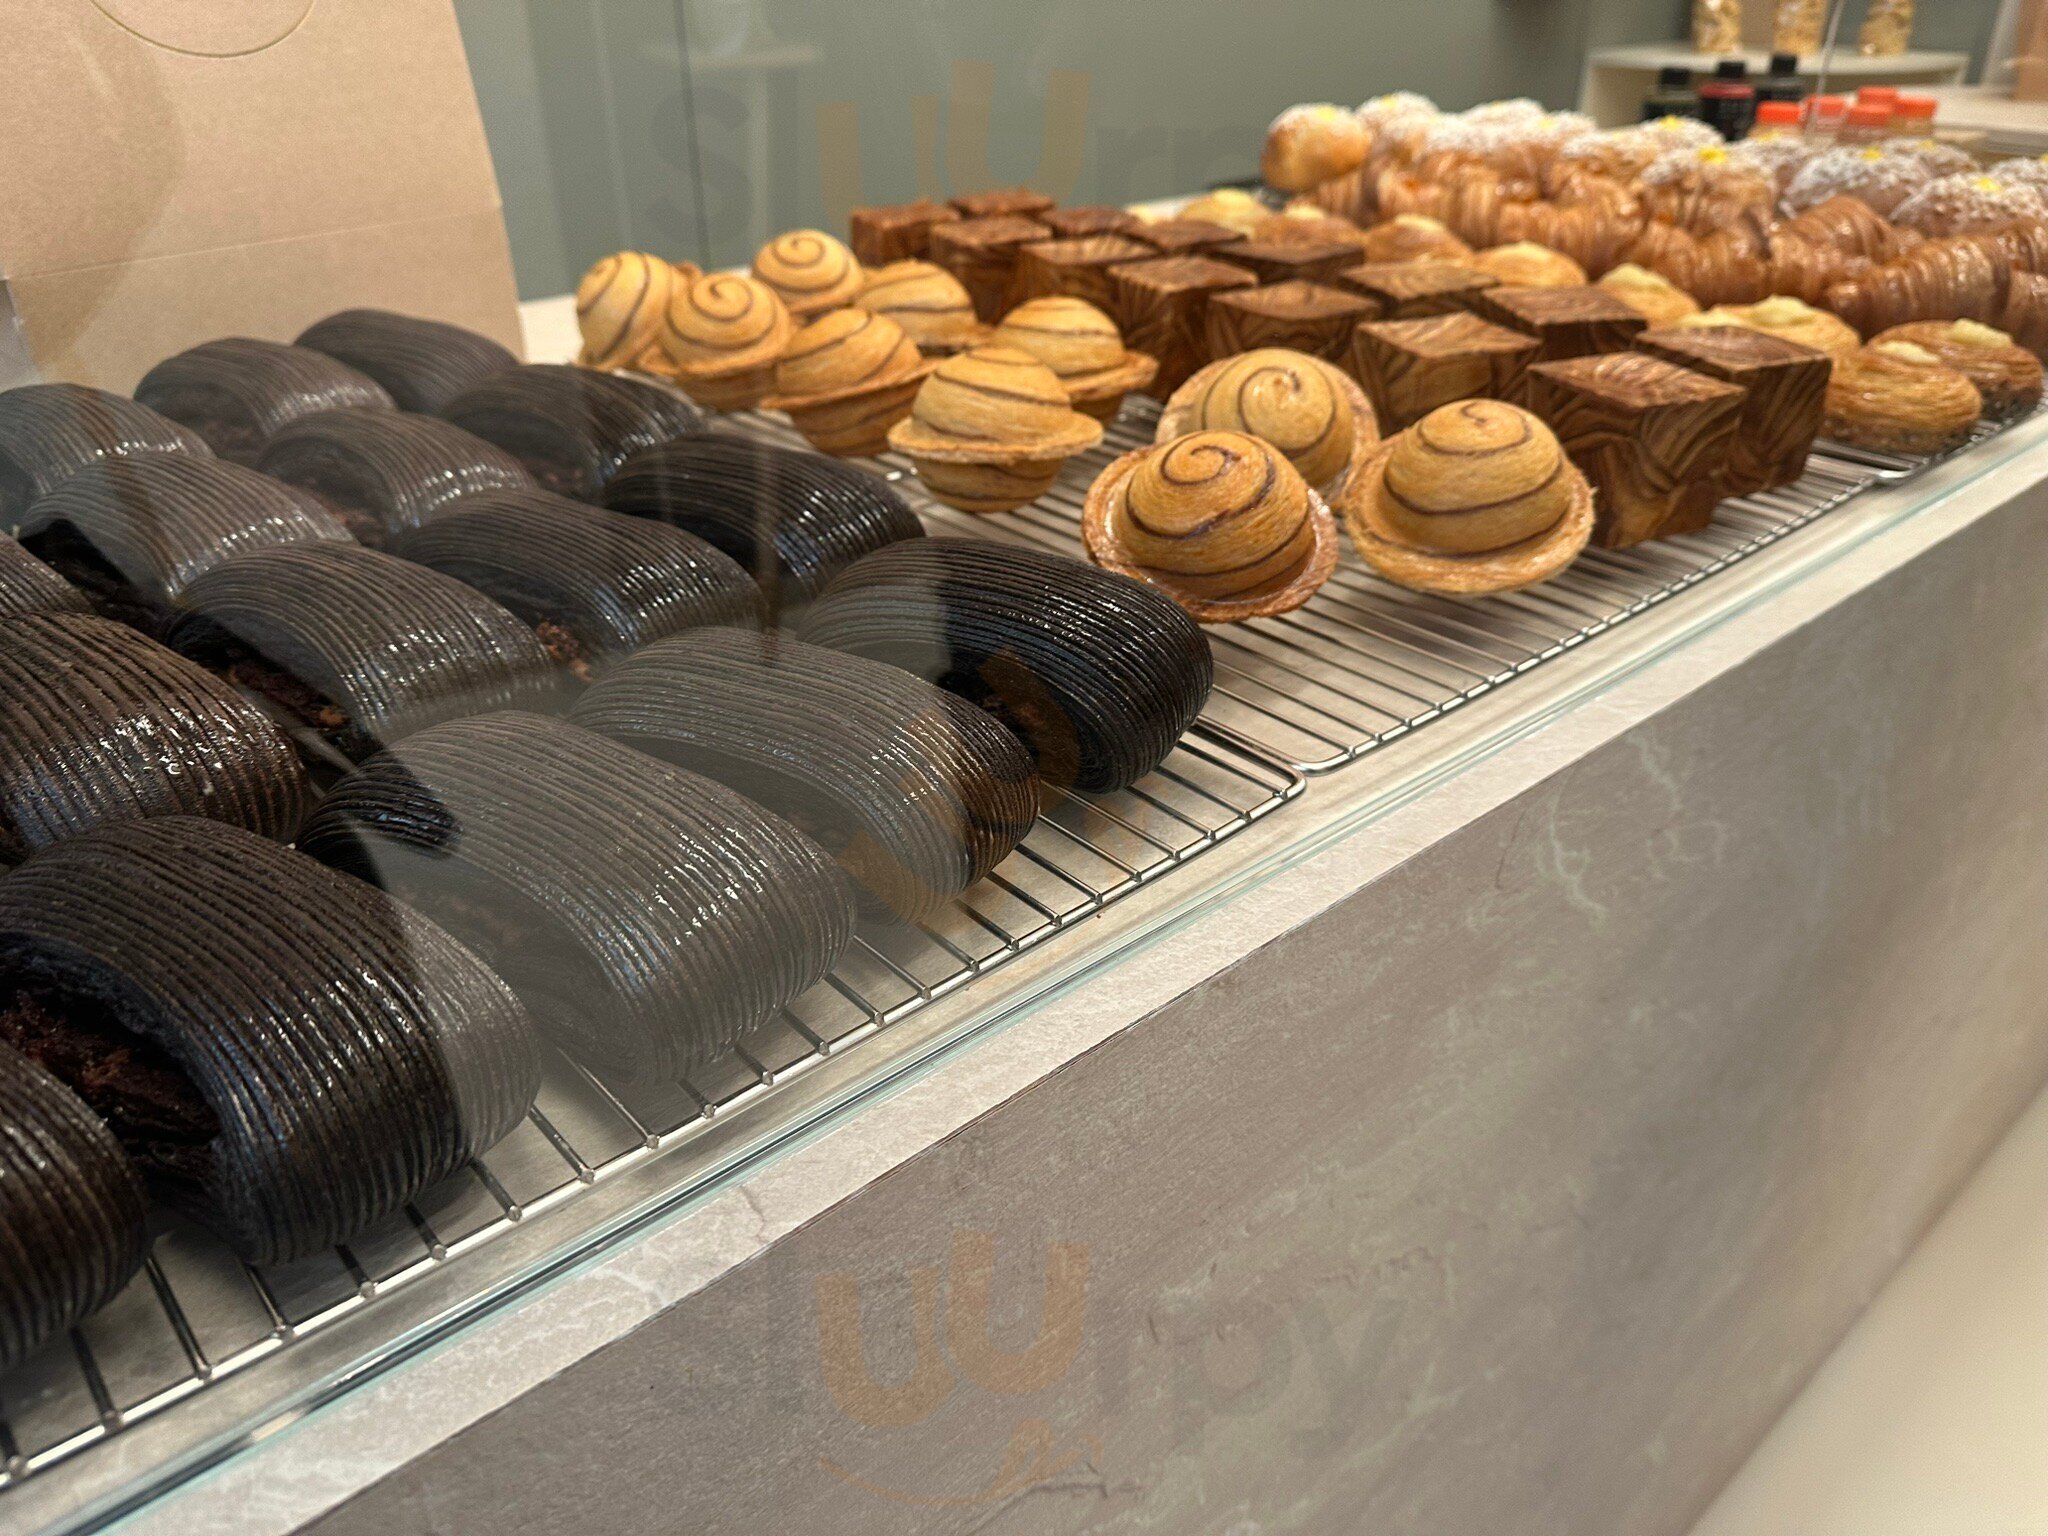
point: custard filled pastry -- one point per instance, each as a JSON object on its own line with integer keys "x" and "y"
{"x": 1655, "y": 297}
{"x": 1218, "y": 521}
{"x": 1900, "y": 398}
{"x": 1313, "y": 412}
{"x": 989, "y": 430}
{"x": 722, "y": 336}
{"x": 2007, "y": 375}
{"x": 1476, "y": 497}
{"x": 1788, "y": 318}
{"x": 1525, "y": 264}
{"x": 810, "y": 271}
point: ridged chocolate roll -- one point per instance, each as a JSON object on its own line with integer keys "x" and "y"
{"x": 421, "y": 364}
{"x": 288, "y": 1054}
{"x": 1098, "y": 673}
{"x": 99, "y": 724}
{"x": 572, "y": 427}
{"x": 154, "y": 524}
{"x": 49, "y": 432}
{"x": 917, "y": 793}
{"x": 645, "y": 916}
{"x": 793, "y": 520}
{"x": 360, "y": 646}
{"x": 384, "y": 472}
{"x": 29, "y": 586}
{"x": 595, "y": 585}
{"x": 72, "y": 1207}
{"x": 236, "y": 392}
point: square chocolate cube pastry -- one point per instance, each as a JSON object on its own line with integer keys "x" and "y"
{"x": 982, "y": 254}
{"x": 1566, "y": 322}
{"x": 1275, "y": 261}
{"x": 1410, "y": 367}
{"x": 898, "y": 231}
{"x": 1784, "y": 389}
{"x": 1161, "y": 306}
{"x": 1307, "y": 317}
{"x": 1075, "y": 268}
{"x": 1185, "y": 237}
{"x": 1415, "y": 290}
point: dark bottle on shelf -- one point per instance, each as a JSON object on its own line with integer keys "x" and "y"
{"x": 1673, "y": 96}
{"x": 1728, "y": 101}
{"x": 1782, "y": 82}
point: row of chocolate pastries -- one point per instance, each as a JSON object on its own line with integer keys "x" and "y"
{"x": 289, "y": 1044}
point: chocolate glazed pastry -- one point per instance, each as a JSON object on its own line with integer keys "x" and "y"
{"x": 1098, "y": 673}
{"x": 49, "y": 432}
{"x": 29, "y": 586}
{"x": 99, "y": 724}
{"x": 72, "y": 1209}
{"x": 792, "y": 520}
{"x": 572, "y": 427}
{"x": 359, "y": 646}
{"x": 384, "y": 472}
{"x": 137, "y": 532}
{"x": 288, "y": 1054}
{"x": 595, "y": 585}
{"x": 237, "y": 392}
{"x": 917, "y": 793}
{"x": 646, "y": 916}
{"x": 421, "y": 364}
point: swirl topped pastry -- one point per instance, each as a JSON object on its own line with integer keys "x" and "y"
{"x": 1525, "y": 264}
{"x": 1412, "y": 237}
{"x": 289, "y": 1055}
{"x": 237, "y": 392}
{"x": 620, "y": 303}
{"x": 29, "y": 586}
{"x": 929, "y": 302}
{"x": 49, "y": 431}
{"x": 2006, "y": 375}
{"x": 645, "y": 916}
{"x": 73, "y": 1212}
{"x": 1656, "y": 298}
{"x": 1082, "y": 345}
{"x": 1308, "y": 409}
{"x": 1788, "y": 318}
{"x": 100, "y": 724}
{"x": 1476, "y": 497}
{"x": 810, "y": 272}
{"x": 721, "y": 335}
{"x": 846, "y": 378}
{"x": 1310, "y": 144}
{"x": 1900, "y": 398}
{"x": 595, "y": 585}
{"x": 1220, "y": 522}
{"x": 571, "y": 427}
{"x": 421, "y": 364}
{"x": 989, "y": 430}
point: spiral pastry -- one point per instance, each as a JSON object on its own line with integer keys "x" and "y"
{"x": 846, "y": 378}
{"x": 1082, "y": 345}
{"x": 73, "y": 1211}
{"x": 1220, "y": 522}
{"x": 721, "y": 336}
{"x": 935, "y": 311}
{"x": 1524, "y": 264}
{"x": 1476, "y": 497}
{"x": 421, "y": 364}
{"x": 620, "y": 303}
{"x": 1314, "y": 414}
{"x": 2007, "y": 376}
{"x": 288, "y": 1055}
{"x": 571, "y": 427}
{"x": 236, "y": 393}
{"x": 29, "y": 586}
{"x": 989, "y": 430}
{"x": 100, "y": 724}
{"x": 645, "y": 916}
{"x": 50, "y": 431}
{"x": 810, "y": 271}
{"x": 1899, "y": 398}
{"x": 1787, "y": 318}
{"x": 1656, "y": 298}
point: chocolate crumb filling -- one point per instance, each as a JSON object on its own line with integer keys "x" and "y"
{"x": 306, "y": 705}
{"x": 565, "y": 650}
{"x": 109, "y": 592}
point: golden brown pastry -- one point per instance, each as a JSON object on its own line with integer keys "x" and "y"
{"x": 1702, "y": 190}
{"x": 1654, "y": 297}
{"x": 1218, "y": 521}
{"x": 1310, "y": 144}
{"x": 1230, "y": 207}
{"x": 2006, "y": 375}
{"x": 810, "y": 271}
{"x": 1959, "y": 205}
{"x": 928, "y": 302}
{"x": 1308, "y": 409}
{"x": 1788, "y": 317}
{"x": 1894, "y": 396}
{"x": 721, "y": 336}
{"x": 1524, "y": 264}
{"x": 1081, "y": 345}
{"x": 1962, "y": 278}
{"x": 990, "y": 428}
{"x": 846, "y": 379}
{"x": 1413, "y": 237}
{"x": 1476, "y": 497}
{"x": 620, "y": 304}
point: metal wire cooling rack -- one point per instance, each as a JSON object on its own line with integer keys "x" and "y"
{"x": 196, "y": 1316}
{"x": 1366, "y": 661}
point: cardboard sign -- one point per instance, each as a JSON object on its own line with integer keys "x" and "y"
{"x": 176, "y": 170}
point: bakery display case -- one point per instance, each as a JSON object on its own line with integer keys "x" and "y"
{"x": 541, "y": 850}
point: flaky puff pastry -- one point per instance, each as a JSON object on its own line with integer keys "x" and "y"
{"x": 2007, "y": 375}
{"x": 1899, "y": 398}
{"x": 1656, "y": 298}
{"x": 1413, "y": 237}
{"x": 1524, "y": 264}
{"x": 1790, "y": 318}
